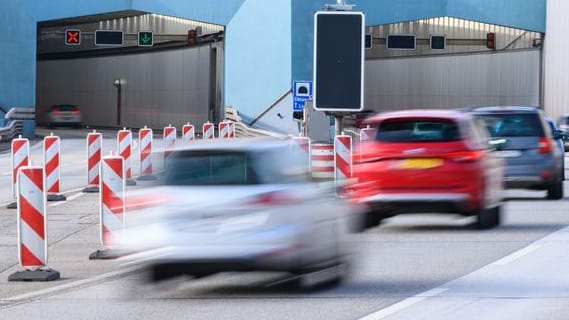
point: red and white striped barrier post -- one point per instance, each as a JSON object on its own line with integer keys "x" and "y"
{"x": 20, "y": 149}
{"x": 342, "y": 157}
{"x": 232, "y": 133}
{"x": 169, "y": 136}
{"x": 94, "y": 150}
{"x": 208, "y": 131}
{"x": 188, "y": 133}
{"x": 52, "y": 167}
{"x": 367, "y": 134}
{"x": 302, "y": 145}
{"x": 145, "y": 153}
{"x": 322, "y": 160}
{"x": 124, "y": 147}
{"x": 32, "y": 227}
{"x": 224, "y": 130}
{"x": 112, "y": 206}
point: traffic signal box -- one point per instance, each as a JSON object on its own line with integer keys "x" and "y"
{"x": 491, "y": 40}
{"x": 145, "y": 39}
{"x": 72, "y": 37}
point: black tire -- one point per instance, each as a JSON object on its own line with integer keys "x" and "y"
{"x": 489, "y": 217}
{"x": 555, "y": 191}
{"x": 372, "y": 219}
{"x": 335, "y": 275}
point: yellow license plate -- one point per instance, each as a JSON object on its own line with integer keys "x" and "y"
{"x": 423, "y": 163}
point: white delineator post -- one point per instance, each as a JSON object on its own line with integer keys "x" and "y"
{"x": 52, "y": 167}
{"x": 302, "y": 145}
{"x": 112, "y": 206}
{"x": 124, "y": 147}
{"x": 367, "y": 134}
{"x": 32, "y": 227}
{"x": 145, "y": 152}
{"x": 224, "y": 130}
{"x": 208, "y": 131}
{"x": 169, "y": 136}
{"x": 20, "y": 151}
{"x": 94, "y": 150}
{"x": 232, "y": 133}
{"x": 322, "y": 160}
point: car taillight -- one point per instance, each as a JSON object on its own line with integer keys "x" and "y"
{"x": 544, "y": 145}
{"x": 270, "y": 198}
{"x": 76, "y": 112}
{"x": 466, "y": 156}
{"x": 56, "y": 112}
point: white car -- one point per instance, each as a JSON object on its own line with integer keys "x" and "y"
{"x": 240, "y": 206}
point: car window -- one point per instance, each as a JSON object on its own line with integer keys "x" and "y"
{"x": 418, "y": 131}
{"x": 513, "y": 124}
{"x": 64, "y": 107}
{"x": 282, "y": 165}
{"x": 209, "y": 168}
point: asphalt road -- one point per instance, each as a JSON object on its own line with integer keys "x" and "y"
{"x": 410, "y": 267}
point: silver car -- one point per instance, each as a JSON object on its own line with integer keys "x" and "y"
{"x": 239, "y": 206}
{"x": 522, "y": 137}
{"x": 64, "y": 114}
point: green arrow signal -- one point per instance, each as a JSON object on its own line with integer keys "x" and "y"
{"x": 145, "y": 38}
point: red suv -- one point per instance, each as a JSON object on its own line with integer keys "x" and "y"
{"x": 425, "y": 161}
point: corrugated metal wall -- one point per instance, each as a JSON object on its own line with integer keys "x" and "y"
{"x": 453, "y": 81}
{"x": 556, "y": 63}
{"x": 160, "y": 88}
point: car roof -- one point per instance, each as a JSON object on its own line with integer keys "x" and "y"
{"x": 419, "y": 113}
{"x": 506, "y": 109}
{"x": 239, "y": 145}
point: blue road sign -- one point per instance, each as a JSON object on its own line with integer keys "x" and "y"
{"x": 298, "y": 104}
{"x": 302, "y": 89}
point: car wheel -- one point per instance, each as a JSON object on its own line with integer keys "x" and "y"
{"x": 371, "y": 219}
{"x": 323, "y": 277}
{"x": 489, "y": 217}
{"x": 555, "y": 191}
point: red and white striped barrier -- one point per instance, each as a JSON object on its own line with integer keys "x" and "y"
{"x": 169, "y": 136}
{"x": 52, "y": 167}
{"x": 367, "y": 134}
{"x": 208, "y": 131}
{"x": 145, "y": 152}
{"x": 112, "y": 205}
{"x": 302, "y": 145}
{"x": 20, "y": 149}
{"x": 232, "y": 133}
{"x": 32, "y": 226}
{"x": 322, "y": 160}
{"x": 224, "y": 130}
{"x": 94, "y": 150}
{"x": 188, "y": 133}
{"x": 124, "y": 147}
{"x": 342, "y": 157}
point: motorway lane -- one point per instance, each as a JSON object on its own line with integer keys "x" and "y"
{"x": 404, "y": 257}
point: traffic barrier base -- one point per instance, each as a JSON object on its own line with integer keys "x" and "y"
{"x": 130, "y": 182}
{"x": 91, "y": 189}
{"x": 107, "y": 254}
{"x": 35, "y": 275}
{"x": 56, "y": 197}
{"x": 147, "y": 178}
{"x": 12, "y": 205}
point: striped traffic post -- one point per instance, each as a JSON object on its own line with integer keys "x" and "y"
{"x": 224, "y": 130}
{"x": 52, "y": 167}
{"x": 112, "y": 206}
{"x": 188, "y": 133}
{"x": 145, "y": 153}
{"x": 208, "y": 131}
{"x": 32, "y": 227}
{"x": 302, "y": 145}
{"x": 124, "y": 147}
{"x": 20, "y": 150}
{"x": 342, "y": 157}
{"x": 322, "y": 160}
{"x": 232, "y": 133}
{"x": 169, "y": 136}
{"x": 94, "y": 150}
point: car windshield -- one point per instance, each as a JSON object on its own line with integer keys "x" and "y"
{"x": 418, "y": 131}
{"x": 513, "y": 125}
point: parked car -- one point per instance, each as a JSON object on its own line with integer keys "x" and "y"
{"x": 428, "y": 161}
{"x": 247, "y": 205}
{"x": 559, "y": 137}
{"x": 64, "y": 114}
{"x": 564, "y": 127}
{"x": 522, "y": 137}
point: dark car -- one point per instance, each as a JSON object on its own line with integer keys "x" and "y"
{"x": 558, "y": 136}
{"x": 64, "y": 114}
{"x": 522, "y": 137}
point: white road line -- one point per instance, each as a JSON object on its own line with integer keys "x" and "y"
{"x": 45, "y": 292}
{"x": 516, "y": 255}
{"x": 383, "y": 313}
{"x": 73, "y": 197}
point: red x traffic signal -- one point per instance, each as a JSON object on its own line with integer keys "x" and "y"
{"x": 72, "y": 37}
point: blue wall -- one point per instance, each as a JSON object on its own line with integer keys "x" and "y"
{"x": 258, "y": 56}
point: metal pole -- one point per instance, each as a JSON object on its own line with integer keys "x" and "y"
{"x": 119, "y": 91}
{"x": 338, "y": 123}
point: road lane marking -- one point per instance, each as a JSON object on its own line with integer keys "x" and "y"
{"x": 383, "y": 313}
{"x": 70, "y": 198}
{"x": 516, "y": 255}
